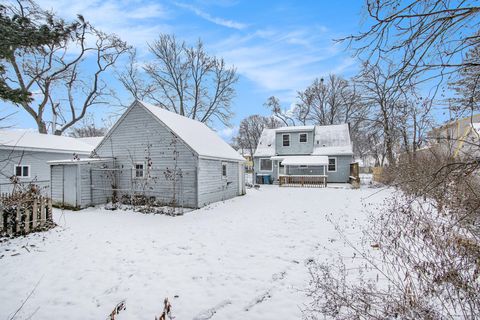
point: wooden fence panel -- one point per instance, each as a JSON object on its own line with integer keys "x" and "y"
{"x": 303, "y": 181}
{"x": 24, "y": 217}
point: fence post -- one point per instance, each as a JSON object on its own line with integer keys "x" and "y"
{"x": 26, "y": 223}
{"x": 18, "y": 219}
{"x": 42, "y": 212}
{"x": 35, "y": 213}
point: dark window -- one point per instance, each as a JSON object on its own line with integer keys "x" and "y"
{"x": 265, "y": 164}
{"x": 22, "y": 171}
{"x": 332, "y": 164}
{"x": 303, "y": 137}
{"x": 224, "y": 170}
{"x": 139, "y": 173}
{"x": 286, "y": 140}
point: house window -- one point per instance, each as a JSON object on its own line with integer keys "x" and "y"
{"x": 224, "y": 170}
{"x": 265, "y": 165}
{"x": 22, "y": 171}
{"x": 303, "y": 137}
{"x": 139, "y": 171}
{"x": 286, "y": 140}
{"x": 332, "y": 164}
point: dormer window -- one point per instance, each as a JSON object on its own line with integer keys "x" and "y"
{"x": 286, "y": 140}
{"x": 303, "y": 137}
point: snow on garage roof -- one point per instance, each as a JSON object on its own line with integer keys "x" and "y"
{"x": 196, "y": 134}
{"x": 93, "y": 141}
{"x": 34, "y": 141}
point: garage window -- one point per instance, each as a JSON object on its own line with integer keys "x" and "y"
{"x": 224, "y": 170}
{"x": 139, "y": 170}
{"x": 303, "y": 137}
{"x": 286, "y": 140}
{"x": 22, "y": 171}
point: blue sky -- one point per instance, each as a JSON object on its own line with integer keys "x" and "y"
{"x": 278, "y": 47}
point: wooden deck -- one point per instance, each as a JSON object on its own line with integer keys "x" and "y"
{"x": 317, "y": 181}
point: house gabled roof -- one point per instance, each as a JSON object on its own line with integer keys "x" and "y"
{"x": 266, "y": 144}
{"x": 332, "y": 140}
{"x": 329, "y": 140}
{"x": 22, "y": 140}
{"x": 93, "y": 141}
{"x": 195, "y": 134}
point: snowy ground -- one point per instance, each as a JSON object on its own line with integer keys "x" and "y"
{"x": 240, "y": 259}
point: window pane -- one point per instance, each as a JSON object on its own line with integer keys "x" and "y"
{"x": 25, "y": 171}
{"x": 303, "y": 137}
{"x": 18, "y": 171}
{"x": 286, "y": 140}
{"x": 266, "y": 164}
{"x": 224, "y": 170}
{"x": 139, "y": 170}
{"x": 332, "y": 164}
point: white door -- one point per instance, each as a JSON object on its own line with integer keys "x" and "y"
{"x": 70, "y": 185}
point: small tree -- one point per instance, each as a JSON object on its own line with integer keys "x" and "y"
{"x": 56, "y": 71}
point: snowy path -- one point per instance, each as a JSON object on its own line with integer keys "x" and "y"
{"x": 241, "y": 259}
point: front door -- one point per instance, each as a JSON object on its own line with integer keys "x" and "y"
{"x": 70, "y": 185}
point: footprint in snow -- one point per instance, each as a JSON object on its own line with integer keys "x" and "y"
{"x": 209, "y": 313}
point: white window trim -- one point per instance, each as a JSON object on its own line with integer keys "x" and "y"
{"x": 289, "y": 140}
{"x": 336, "y": 164}
{"x": 21, "y": 165}
{"x": 260, "y": 164}
{"x": 306, "y": 134}
{"x": 134, "y": 171}
{"x": 226, "y": 170}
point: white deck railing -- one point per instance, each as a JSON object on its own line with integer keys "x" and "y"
{"x": 303, "y": 181}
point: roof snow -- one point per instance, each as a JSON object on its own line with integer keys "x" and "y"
{"x": 305, "y": 161}
{"x": 266, "y": 144}
{"x": 196, "y": 134}
{"x": 332, "y": 140}
{"x": 329, "y": 140}
{"x": 26, "y": 140}
{"x": 295, "y": 128}
{"x": 93, "y": 141}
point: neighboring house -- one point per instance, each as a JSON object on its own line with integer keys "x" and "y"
{"x": 457, "y": 138}
{"x": 304, "y": 151}
{"x": 24, "y": 156}
{"x": 248, "y": 159}
{"x": 154, "y": 153}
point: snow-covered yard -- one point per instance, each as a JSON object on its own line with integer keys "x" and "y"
{"x": 240, "y": 259}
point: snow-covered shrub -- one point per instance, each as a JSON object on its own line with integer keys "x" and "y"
{"x": 420, "y": 258}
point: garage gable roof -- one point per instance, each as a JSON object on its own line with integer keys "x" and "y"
{"x": 203, "y": 140}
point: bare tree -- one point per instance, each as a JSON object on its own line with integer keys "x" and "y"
{"x": 329, "y": 102}
{"x": 382, "y": 94}
{"x": 285, "y": 116}
{"x": 58, "y": 76}
{"x": 185, "y": 80}
{"x": 250, "y": 130}
{"x": 87, "y": 128}
{"x": 467, "y": 86}
{"x": 424, "y": 35}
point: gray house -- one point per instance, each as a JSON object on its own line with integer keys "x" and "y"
{"x": 153, "y": 153}
{"x": 24, "y": 156}
{"x": 304, "y": 151}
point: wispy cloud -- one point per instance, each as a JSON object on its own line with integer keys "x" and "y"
{"x": 283, "y": 61}
{"x": 135, "y": 22}
{"x": 216, "y": 20}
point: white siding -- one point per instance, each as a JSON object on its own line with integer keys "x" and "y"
{"x": 139, "y": 137}
{"x": 212, "y": 185}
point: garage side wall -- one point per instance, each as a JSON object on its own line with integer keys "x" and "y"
{"x": 139, "y": 138}
{"x": 212, "y": 185}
